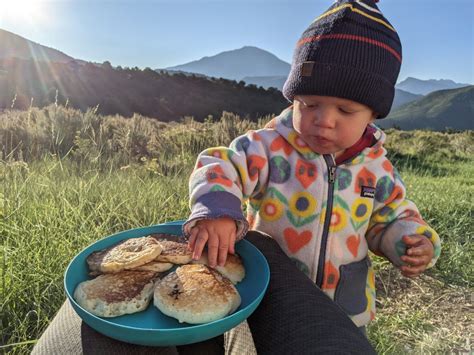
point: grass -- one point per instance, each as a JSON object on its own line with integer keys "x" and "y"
{"x": 50, "y": 214}
{"x": 57, "y": 203}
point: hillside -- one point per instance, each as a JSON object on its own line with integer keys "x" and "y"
{"x": 403, "y": 97}
{"x": 14, "y": 46}
{"x": 128, "y": 91}
{"x": 437, "y": 111}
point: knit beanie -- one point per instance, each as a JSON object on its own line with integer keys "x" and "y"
{"x": 351, "y": 51}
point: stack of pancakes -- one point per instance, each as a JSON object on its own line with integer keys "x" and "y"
{"x": 131, "y": 272}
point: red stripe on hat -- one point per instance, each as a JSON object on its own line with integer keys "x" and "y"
{"x": 351, "y": 37}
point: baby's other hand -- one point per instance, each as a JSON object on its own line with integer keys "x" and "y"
{"x": 219, "y": 234}
{"x": 418, "y": 255}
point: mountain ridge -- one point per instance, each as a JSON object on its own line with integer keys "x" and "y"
{"x": 235, "y": 64}
{"x": 424, "y": 87}
{"x": 16, "y": 46}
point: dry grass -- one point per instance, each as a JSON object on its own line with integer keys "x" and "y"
{"x": 429, "y": 315}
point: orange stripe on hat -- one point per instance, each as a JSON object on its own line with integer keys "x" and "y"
{"x": 350, "y": 37}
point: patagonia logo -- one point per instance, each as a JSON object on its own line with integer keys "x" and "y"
{"x": 307, "y": 68}
{"x": 367, "y": 191}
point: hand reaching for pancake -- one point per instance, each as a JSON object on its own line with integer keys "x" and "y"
{"x": 219, "y": 234}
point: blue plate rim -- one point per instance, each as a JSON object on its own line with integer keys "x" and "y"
{"x": 191, "y": 326}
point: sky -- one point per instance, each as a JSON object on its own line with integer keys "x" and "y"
{"x": 437, "y": 35}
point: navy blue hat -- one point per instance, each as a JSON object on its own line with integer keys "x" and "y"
{"x": 351, "y": 51}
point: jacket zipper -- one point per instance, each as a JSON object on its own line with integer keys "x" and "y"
{"x": 331, "y": 164}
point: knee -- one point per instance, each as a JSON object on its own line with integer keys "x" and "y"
{"x": 266, "y": 244}
{"x": 261, "y": 240}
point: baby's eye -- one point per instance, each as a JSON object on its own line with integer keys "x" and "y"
{"x": 346, "y": 112}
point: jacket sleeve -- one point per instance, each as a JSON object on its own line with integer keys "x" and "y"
{"x": 225, "y": 177}
{"x": 393, "y": 217}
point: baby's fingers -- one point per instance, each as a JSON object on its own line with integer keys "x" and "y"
{"x": 412, "y": 271}
{"x": 200, "y": 242}
{"x": 233, "y": 236}
{"x": 424, "y": 249}
{"x": 192, "y": 238}
{"x": 213, "y": 249}
{"x": 223, "y": 250}
{"x": 414, "y": 261}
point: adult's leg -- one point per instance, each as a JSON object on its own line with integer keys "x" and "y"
{"x": 68, "y": 334}
{"x": 295, "y": 316}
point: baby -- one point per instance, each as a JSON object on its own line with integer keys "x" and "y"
{"x": 316, "y": 178}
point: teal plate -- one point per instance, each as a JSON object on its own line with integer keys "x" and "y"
{"x": 153, "y": 328}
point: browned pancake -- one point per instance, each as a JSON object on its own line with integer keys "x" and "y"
{"x": 174, "y": 249}
{"x": 127, "y": 254}
{"x": 196, "y": 294}
{"x": 233, "y": 268}
{"x": 111, "y": 295}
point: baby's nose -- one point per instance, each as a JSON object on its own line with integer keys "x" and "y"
{"x": 325, "y": 118}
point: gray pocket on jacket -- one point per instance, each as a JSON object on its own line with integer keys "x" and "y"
{"x": 350, "y": 291}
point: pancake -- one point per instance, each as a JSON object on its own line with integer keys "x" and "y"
{"x": 156, "y": 266}
{"x": 112, "y": 295}
{"x": 127, "y": 254}
{"x": 174, "y": 249}
{"x": 196, "y": 294}
{"x": 233, "y": 268}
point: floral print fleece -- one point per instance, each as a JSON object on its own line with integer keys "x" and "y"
{"x": 324, "y": 216}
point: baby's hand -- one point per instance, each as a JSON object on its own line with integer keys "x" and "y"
{"x": 418, "y": 255}
{"x": 219, "y": 234}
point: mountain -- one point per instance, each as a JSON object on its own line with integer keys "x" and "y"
{"x": 128, "y": 91}
{"x": 14, "y": 46}
{"x": 438, "y": 110}
{"x": 237, "y": 64}
{"x": 403, "y": 97}
{"x": 424, "y": 87}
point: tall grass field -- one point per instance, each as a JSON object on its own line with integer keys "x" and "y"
{"x": 70, "y": 178}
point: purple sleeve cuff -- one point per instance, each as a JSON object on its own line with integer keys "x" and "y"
{"x": 214, "y": 205}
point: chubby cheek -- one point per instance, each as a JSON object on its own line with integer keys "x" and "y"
{"x": 349, "y": 136}
{"x": 301, "y": 124}
{"x": 297, "y": 122}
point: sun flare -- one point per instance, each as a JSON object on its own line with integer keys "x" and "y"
{"x": 30, "y": 11}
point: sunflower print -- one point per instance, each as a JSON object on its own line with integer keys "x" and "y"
{"x": 360, "y": 212}
{"x": 302, "y": 204}
{"x": 219, "y": 152}
{"x": 297, "y": 142}
{"x": 271, "y": 209}
{"x": 361, "y": 209}
{"x": 338, "y": 219}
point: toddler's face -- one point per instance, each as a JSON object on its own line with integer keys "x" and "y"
{"x": 329, "y": 125}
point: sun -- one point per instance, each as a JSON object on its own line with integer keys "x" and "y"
{"x": 32, "y": 12}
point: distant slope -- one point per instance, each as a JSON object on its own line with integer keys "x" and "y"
{"x": 14, "y": 46}
{"x": 424, "y": 87}
{"x": 436, "y": 111}
{"x": 401, "y": 97}
{"x": 237, "y": 64}
{"x": 128, "y": 91}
